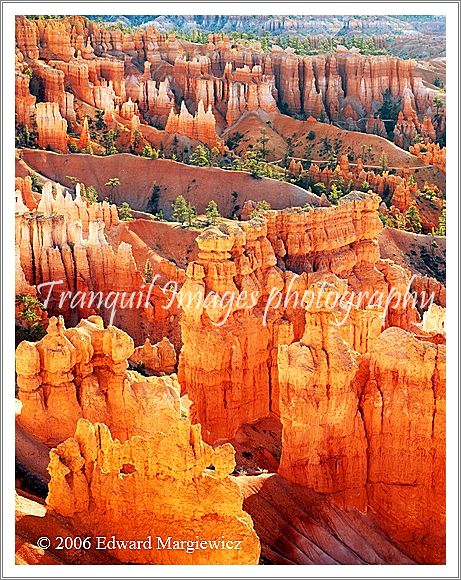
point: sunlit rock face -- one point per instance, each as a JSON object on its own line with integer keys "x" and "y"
{"x": 167, "y": 485}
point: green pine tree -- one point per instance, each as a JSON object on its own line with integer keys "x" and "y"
{"x": 442, "y": 227}
{"x": 212, "y": 213}
{"x": 412, "y": 219}
{"x": 201, "y": 156}
{"x": 125, "y": 212}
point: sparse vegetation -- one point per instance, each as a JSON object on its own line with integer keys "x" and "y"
{"x": 125, "y": 212}
{"x": 212, "y": 213}
{"x": 28, "y": 323}
{"x": 413, "y": 220}
{"x": 183, "y": 211}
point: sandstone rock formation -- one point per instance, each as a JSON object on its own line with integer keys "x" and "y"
{"x": 98, "y": 66}
{"x": 170, "y": 484}
{"x": 156, "y": 358}
{"x": 404, "y": 420}
{"x": 260, "y": 258}
{"x": 52, "y": 128}
{"x": 64, "y": 241}
{"x": 323, "y": 438}
{"x": 201, "y": 126}
{"x": 82, "y": 372}
{"x": 25, "y": 102}
{"x": 431, "y": 154}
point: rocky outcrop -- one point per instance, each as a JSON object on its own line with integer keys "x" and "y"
{"x": 256, "y": 261}
{"x": 25, "y": 102}
{"x": 51, "y": 127}
{"x": 403, "y": 409}
{"x": 84, "y": 140}
{"x": 431, "y": 154}
{"x": 343, "y": 85}
{"x": 157, "y": 358}
{"x": 65, "y": 242}
{"x": 399, "y": 189}
{"x": 323, "y": 438}
{"x": 232, "y": 386}
{"x": 200, "y": 127}
{"x": 170, "y": 486}
{"x": 81, "y": 372}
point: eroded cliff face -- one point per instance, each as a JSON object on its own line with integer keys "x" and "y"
{"x": 76, "y": 60}
{"x": 242, "y": 299}
{"x": 323, "y": 438}
{"x": 403, "y": 410}
{"x": 65, "y": 240}
{"x": 169, "y": 485}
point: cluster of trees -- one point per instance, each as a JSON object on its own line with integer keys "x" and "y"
{"x": 185, "y": 213}
{"x": 28, "y": 321}
{"x": 25, "y": 137}
{"x": 410, "y": 221}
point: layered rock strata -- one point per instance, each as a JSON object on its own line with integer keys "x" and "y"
{"x": 170, "y": 486}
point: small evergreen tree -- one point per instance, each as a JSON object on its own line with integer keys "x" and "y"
{"x": 125, "y": 212}
{"x": 412, "y": 219}
{"x": 442, "y": 227}
{"x": 152, "y": 204}
{"x": 148, "y": 272}
{"x": 183, "y": 212}
{"x": 262, "y": 141}
{"x": 113, "y": 183}
{"x": 90, "y": 194}
{"x": 99, "y": 124}
{"x": 212, "y": 213}
{"x": 201, "y": 156}
{"x": 335, "y": 193}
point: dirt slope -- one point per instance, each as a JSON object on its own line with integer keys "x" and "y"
{"x": 415, "y": 251}
{"x": 138, "y": 175}
{"x": 298, "y": 526}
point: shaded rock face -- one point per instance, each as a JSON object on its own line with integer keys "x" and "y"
{"x": 361, "y": 435}
{"x": 299, "y": 526}
{"x": 170, "y": 484}
{"x": 403, "y": 409}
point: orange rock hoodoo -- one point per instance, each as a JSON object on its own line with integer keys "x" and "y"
{"x": 201, "y": 126}
{"x": 51, "y": 127}
{"x": 399, "y": 187}
{"x": 404, "y": 400}
{"x": 82, "y": 372}
{"x": 254, "y": 257}
{"x": 169, "y": 484}
{"x": 431, "y": 154}
{"x": 80, "y": 59}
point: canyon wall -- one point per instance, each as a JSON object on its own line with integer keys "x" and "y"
{"x": 79, "y": 59}
{"x": 64, "y": 241}
{"x": 243, "y": 298}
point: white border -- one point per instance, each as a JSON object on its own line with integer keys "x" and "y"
{"x": 308, "y": 8}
